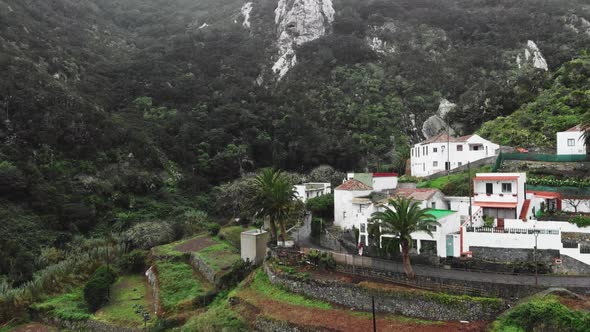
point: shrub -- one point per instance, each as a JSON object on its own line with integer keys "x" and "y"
{"x": 580, "y": 221}
{"x": 213, "y": 228}
{"x": 317, "y": 227}
{"x": 96, "y": 290}
{"x": 149, "y": 234}
{"x": 232, "y": 235}
{"x": 133, "y": 262}
{"x": 488, "y": 221}
{"x": 322, "y": 206}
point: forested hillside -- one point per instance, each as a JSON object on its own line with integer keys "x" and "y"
{"x": 117, "y": 113}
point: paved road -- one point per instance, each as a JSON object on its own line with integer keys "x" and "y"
{"x": 498, "y": 278}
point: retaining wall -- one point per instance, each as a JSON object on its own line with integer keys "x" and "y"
{"x": 205, "y": 269}
{"x": 82, "y": 326}
{"x": 413, "y": 304}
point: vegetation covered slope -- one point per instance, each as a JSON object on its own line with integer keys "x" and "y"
{"x": 560, "y": 107}
{"x": 122, "y": 115}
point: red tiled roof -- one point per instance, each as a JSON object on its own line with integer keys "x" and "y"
{"x": 576, "y": 128}
{"x": 418, "y": 194}
{"x": 544, "y": 194}
{"x": 384, "y": 175}
{"x": 496, "y": 205}
{"x": 496, "y": 178}
{"x": 353, "y": 184}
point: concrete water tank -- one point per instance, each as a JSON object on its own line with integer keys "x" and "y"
{"x": 253, "y": 245}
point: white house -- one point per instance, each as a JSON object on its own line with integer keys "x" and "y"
{"x": 501, "y": 195}
{"x": 444, "y": 152}
{"x": 571, "y": 142}
{"x": 351, "y": 199}
{"x": 378, "y": 181}
{"x": 311, "y": 190}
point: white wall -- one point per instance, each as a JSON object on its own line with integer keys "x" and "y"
{"x": 304, "y": 193}
{"x": 562, "y": 143}
{"x": 347, "y": 214}
{"x": 424, "y": 157}
{"x": 568, "y": 205}
{"x": 512, "y": 241}
{"x": 381, "y": 183}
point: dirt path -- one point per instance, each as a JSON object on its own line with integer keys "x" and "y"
{"x": 347, "y": 320}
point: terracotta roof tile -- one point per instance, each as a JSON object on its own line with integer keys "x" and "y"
{"x": 576, "y": 128}
{"x": 352, "y": 185}
{"x": 418, "y": 194}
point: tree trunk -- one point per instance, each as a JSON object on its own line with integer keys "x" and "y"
{"x": 273, "y": 229}
{"x": 406, "y": 259}
{"x": 283, "y": 231}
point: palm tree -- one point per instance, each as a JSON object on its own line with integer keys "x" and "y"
{"x": 274, "y": 198}
{"x": 405, "y": 218}
{"x": 586, "y": 128}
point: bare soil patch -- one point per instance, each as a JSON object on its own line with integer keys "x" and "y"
{"x": 583, "y": 303}
{"x": 195, "y": 244}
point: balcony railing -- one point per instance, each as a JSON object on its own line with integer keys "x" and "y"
{"x": 511, "y": 230}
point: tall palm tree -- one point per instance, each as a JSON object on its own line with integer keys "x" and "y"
{"x": 403, "y": 218}
{"x": 586, "y": 128}
{"x": 274, "y": 198}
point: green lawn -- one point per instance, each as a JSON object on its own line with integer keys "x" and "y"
{"x": 126, "y": 294}
{"x": 179, "y": 284}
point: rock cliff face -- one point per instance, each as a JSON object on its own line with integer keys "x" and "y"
{"x": 578, "y": 24}
{"x": 246, "y": 10}
{"x": 533, "y": 56}
{"x": 299, "y": 22}
{"x": 436, "y": 123}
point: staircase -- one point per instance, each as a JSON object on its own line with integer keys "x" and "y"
{"x": 525, "y": 209}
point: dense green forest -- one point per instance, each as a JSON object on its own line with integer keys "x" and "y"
{"x": 128, "y": 117}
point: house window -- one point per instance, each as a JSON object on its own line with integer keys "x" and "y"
{"x": 435, "y": 164}
{"x": 460, "y": 164}
{"x": 435, "y": 150}
{"x": 363, "y": 228}
{"x": 433, "y": 205}
{"x": 412, "y": 152}
{"x": 489, "y": 188}
{"x": 507, "y": 188}
{"x": 571, "y": 142}
{"x": 459, "y": 147}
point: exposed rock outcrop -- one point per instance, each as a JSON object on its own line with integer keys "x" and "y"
{"x": 578, "y": 24}
{"x": 299, "y": 22}
{"x": 436, "y": 123}
{"x": 246, "y": 10}
{"x": 532, "y": 56}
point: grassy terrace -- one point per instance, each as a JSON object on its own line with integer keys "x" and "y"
{"x": 125, "y": 293}
{"x": 179, "y": 285}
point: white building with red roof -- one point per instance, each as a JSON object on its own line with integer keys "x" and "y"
{"x": 500, "y": 195}
{"x": 443, "y": 152}
{"x": 571, "y": 142}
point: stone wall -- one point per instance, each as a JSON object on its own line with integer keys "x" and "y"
{"x": 81, "y": 326}
{"x": 559, "y": 169}
{"x": 511, "y": 255}
{"x": 453, "y": 286}
{"x": 264, "y": 324}
{"x": 422, "y": 305}
{"x": 205, "y": 269}
{"x": 571, "y": 266}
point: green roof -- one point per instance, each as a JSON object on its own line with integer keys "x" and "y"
{"x": 439, "y": 214}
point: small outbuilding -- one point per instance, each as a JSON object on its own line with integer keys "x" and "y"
{"x": 253, "y": 245}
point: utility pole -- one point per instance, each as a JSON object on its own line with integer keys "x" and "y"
{"x": 536, "y": 233}
{"x": 470, "y": 194}
{"x": 374, "y": 320}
